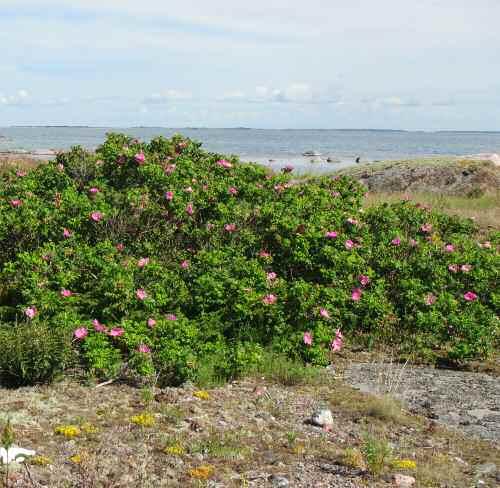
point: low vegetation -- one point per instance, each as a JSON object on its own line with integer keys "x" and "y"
{"x": 163, "y": 261}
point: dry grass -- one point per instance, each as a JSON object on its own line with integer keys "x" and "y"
{"x": 484, "y": 210}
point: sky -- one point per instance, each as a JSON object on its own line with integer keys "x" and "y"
{"x": 385, "y": 64}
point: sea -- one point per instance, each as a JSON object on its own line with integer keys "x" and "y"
{"x": 274, "y": 148}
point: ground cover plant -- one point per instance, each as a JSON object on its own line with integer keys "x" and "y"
{"x": 167, "y": 261}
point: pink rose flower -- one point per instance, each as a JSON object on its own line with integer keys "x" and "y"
{"x": 271, "y": 276}
{"x": 430, "y": 299}
{"x": 116, "y": 332}
{"x": 96, "y": 216}
{"x": 225, "y": 164}
{"x": 470, "y": 296}
{"x": 465, "y": 268}
{"x": 140, "y": 158}
{"x": 30, "y": 312}
{"x": 364, "y": 280}
{"x": 66, "y": 293}
{"x": 16, "y": 203}
{"x": 81, "y": 333}
{"x": 269, "y": 299}
{"x": 349, "y": 244}
{"x": 141, "y": 294}
{"x": 426, "y": 228}
{"x": 185, "y": 264}
{"x": 324, "y": 313}
{"x": 120, "y": 247}
{"x": 453, "y": 268}
{"x": 171, "y": 317}
{"x": 189, "y": 209}
{"x": 230, "y": 227}
{"x": 98, "y": 327}
{"x": 143, "y": 348}
{"x": 396, "y": 241}
{"x": 308, "y": 338}
{"x": 93, "y": 190}
{"x": 67, "y": 233}
{"x": 331, "y": 234}
{"x": 232, "y": 190}
{"x": 143, "y": 262}
{"x": 356, "y": 294}
{"x": 449, "y": 248}
{"x": 264, "y": 254}
{"x": 169, "y": 196}
{"x": 337, "y": 342}
{"x": 151, "y": 322}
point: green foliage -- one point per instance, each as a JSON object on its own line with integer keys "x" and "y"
{"x": 188, "y": 266}
{"x": 377, "y": 453}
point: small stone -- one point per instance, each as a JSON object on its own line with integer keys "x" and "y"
{"x": 403, "y": 481}
{"x": 322, "y": 418}
{"x": 486, "y": 469}
{"x": 279, "y": 481}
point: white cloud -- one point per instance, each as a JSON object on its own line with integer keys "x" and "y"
{"x": 167, "y": 96}
{"x": 22, "y": 97}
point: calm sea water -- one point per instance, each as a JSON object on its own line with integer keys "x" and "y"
{"x": 279, "y": 146}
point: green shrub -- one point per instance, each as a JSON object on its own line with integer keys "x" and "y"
{"x": 189, "y": 266}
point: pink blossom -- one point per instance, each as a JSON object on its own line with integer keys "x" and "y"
{"x": 335, "y": 194}
{"x": 171, "y": 316}
{"x": 66, "y": 293}
{"x": 271, "y": 276}
{"x": 169, "y": 196}
{"x": 21, "y": 173}
{"x": 413, "y": 243}
{"x": 352, "y": 221}
{"x": 426, "y": 228}
{"x": 356, "y": 294}
{"x": 430, "y": 299}
{"x": 188, "y": 190}
{"x": 396, "y": 241}
{"x": 224, "y": 163}
{"x": 67, "y": 233}
{"x": 264, "y": 254}
{"x": 324, "y": 313}
{"x": 96, "y": 216}
{"x": 143, "y": 262}
{"x": 185, "y": 264}
{"x": 470, "y": 296}
{"x": 116, "y": 332}
{"x": 30, "y": 312}
{"x": 364, "y": 280}
{"x": 269, "y": 299}
{"x": 120, "y": 247}
{"x": 143, "y": 348}
{"x": 349, "y": 244}
{"x": 210, "y": 226}
{"x": 230, "y": 227}
{"x": 331, "y": 234}
{"x": 151, "y": 322}
{"x": 141, "y": 294}
{"x": 170, "y": 168}
{"x": 93, "y": 190}
{"x": 16, "y": 202}
{"x": 232, "y": 190}
{"x": 337, "y": 342}
{"x": 140, "y": 158}
{"x": 81, "y": 333}
{"x": 453, "y": 268}
{"x": 189, "y": 209}
{"x": 308, "y": 338}
{"x": 98, "y": 327}
{"x": 449, "y": 248}
{"x": 465, "y": 268}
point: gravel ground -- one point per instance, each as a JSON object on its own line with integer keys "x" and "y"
{"x": 469, "y": 402}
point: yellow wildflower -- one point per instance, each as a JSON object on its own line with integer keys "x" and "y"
{"x": 144, "y": 419}
{"x": 88, "y": 428}
{"x": 174, "y": 450}
{"x": 404, "y": 464}
{"x": 202, "y": 472}
{"x": 202, "y": 395}
{"x": 77, "y": 459}
{"x": 40, "y": 460}
{"x": 68, "y": 431}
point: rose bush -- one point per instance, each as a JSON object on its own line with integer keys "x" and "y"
{"x": 165, "y": 258}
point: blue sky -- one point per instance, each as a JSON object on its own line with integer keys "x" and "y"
{"x": 402, "y": 64}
